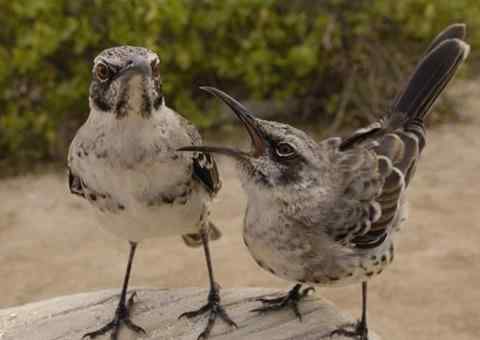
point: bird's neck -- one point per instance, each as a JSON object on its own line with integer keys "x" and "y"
{"x": 131, "y": 120}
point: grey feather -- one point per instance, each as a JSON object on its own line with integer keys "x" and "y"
{"x": 327, "y": 214}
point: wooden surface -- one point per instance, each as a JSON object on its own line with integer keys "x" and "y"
{"x": 157, "y": 310}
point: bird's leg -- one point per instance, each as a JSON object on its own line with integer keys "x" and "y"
{"x": 358, "y": 330}
{"x": 213, "y": 306}
{"x": 291, "y": 300}
{"x": 122, "y": 313}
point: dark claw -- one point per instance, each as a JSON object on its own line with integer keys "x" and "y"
{"x": 122, "y": 315}
{"x": 297, "y": 312}
{"x": 114, "y": 334}
{"x": 226, "y": 318}
{"x": 267, "y": 309}
{"x": 271, "y": 301}
{"x": 131, "y": 300}
{"x": 206, "y": 332}
{"x": 130, "y": 325}
{"x": 194, "y": 313}
{"x": 216, "y": 310}
{"x": 100, "y": 331}
{"x": 291, "y": 300}
{"x": 360, "y": 331}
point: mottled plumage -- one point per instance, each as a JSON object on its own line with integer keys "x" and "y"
{"x": 123, "y": 161}
{"x": 326, "y": 213}
{"x": 128, "y": 167}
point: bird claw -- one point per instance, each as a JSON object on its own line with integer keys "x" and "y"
{"x": 359, "y": 331}
{"x": 122, "y": 316}
{"x": 290, "y": 300}
{"x": 215, "y": 309}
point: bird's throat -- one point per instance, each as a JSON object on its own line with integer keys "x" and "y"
{"x": 134, "y": 99}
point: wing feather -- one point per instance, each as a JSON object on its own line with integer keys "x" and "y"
{"x": 205, "y": 169}
{"x": 397, "y": 140}
{"x": 206, "y": 172}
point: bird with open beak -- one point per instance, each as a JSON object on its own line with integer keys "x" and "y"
{"x": 123, "y": 161}
{"x": 326, "y": 213}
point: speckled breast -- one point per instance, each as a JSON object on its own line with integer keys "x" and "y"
{"x": 296, "y": 256}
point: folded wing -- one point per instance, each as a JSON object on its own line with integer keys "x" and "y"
{"x": 397, "y": 140}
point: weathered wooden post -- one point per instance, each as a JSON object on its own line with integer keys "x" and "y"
{"x": 69, "y": 317}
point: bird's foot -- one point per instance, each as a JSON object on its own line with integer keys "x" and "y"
{"x": 215, "y": 310}
{"x": 291, "y": 300}
{"x": 357, "y": 331}
{"x": 122, "y": 316}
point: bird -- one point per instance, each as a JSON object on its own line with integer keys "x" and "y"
{"x": 326, "y": 213}
{"x": 123, "y": 161}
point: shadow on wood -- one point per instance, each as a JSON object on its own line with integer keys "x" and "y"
{"x": 69, "y": 317}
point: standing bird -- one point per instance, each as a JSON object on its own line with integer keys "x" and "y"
{"x": 123, "y": 161}
{"x": 326, "y": 213}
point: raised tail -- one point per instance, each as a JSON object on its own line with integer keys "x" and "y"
{"x": 428, "y": 80}
{"x": 400, "y": 135}
{"x": 454, "y": 31}
{"x": 437, "y": 67}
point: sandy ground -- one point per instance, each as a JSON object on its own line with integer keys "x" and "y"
{"x": 50, "y": 245}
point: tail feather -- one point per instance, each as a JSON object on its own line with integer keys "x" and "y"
{"x": 454, "y": 31}
{"x": 400, "y": 135}
{"x": 429, "y": 79}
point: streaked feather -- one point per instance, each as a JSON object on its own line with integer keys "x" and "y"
{"x": 400, "y": 137}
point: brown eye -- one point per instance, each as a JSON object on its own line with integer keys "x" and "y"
{"x": 285, "y": 150}
{"x": 155, "y": 68}
{"x": 102, "y": 72}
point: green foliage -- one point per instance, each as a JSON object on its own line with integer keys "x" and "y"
{"x": 328, "y": 55}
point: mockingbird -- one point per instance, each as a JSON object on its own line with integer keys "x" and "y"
{"x": 123, "y": 161}
{"x": 326, "y": 213}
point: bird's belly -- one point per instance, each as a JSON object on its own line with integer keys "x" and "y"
{"x": 276, "y": 252}
{"x": 148, "y": 200}
{"x": 306, "y": 259}
{"x": 137, "y": 221}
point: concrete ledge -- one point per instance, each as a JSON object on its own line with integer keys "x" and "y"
{"x": 69, "y": 317}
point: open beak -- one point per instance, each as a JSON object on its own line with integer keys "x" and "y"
{"x": 247, "y": 119}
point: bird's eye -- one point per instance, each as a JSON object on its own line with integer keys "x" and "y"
{"x": 285, "y": 150}
{"x": 155, "y": 68}
{"x": 102, "y": 71}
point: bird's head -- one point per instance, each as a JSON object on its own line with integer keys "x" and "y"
{"x": 281, "y": 156}
{"x": 126, "y": 80}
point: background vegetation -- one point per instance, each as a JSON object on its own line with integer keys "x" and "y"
{"x": 323, "y": 58}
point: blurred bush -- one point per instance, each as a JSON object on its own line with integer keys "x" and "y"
{"x": 327, "y": 57}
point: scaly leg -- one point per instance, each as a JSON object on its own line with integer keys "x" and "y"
{"x": 358, "y": 330}
{"x": 122, "y": 313}
{"x": 213, "y": 307}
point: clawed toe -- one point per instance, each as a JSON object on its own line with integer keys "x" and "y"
{"x": 290, "y": 300}
{"x": 215, "y": 310}
{"x": 357, "y": 331}
{"x": 114, "y": 326}
{"x": 122, "y": 316}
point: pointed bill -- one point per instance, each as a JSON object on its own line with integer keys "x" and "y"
{"x": 247, "y": 119}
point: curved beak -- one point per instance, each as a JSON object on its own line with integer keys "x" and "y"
{"x": 247, "y": 119}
